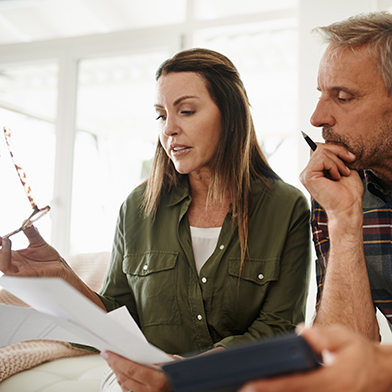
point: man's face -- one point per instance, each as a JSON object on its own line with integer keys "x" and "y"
{"x": 354, "y": 109}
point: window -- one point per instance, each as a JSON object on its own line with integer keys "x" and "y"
{"x": 266, "y": 57}
{"x": 115, "y": 141}
{"x": 28, "y": 95}
{"x": 110, "y": 81}
{"x": 207, "y": 9}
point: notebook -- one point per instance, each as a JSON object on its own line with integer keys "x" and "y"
{"x": 228, "y": 370}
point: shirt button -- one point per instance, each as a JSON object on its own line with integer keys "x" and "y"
{"x": 145, "y": 267}
{"x": 261, "y": 276}
{"x": 222, "y": 247}
{"x": 199, "y": 316}
{"x": 204, "y": 280}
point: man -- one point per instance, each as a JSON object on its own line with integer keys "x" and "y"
{"x": 350, "y": 178}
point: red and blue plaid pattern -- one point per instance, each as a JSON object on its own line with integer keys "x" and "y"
{"x": 377, "y": 243}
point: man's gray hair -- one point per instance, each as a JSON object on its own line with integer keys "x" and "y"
{"x": 372, "y": 29}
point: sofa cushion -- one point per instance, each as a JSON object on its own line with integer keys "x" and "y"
{"x": 81, "y": 374}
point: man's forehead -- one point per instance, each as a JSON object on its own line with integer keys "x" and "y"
{"x": 347, "y": 66}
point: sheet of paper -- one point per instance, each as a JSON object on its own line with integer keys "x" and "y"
{"x": 121, "y": 316}
{"x": 19, "y": 324}
{"x": 56, "y": 298}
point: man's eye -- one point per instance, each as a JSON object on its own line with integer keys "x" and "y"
{"x": 344, "y": 97}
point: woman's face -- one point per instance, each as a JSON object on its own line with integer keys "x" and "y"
{"x": 190, "y": 121}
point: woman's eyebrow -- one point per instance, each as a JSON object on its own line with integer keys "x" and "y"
{"x": 177, "y": 101}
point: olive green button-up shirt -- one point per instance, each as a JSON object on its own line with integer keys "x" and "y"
{"x": 153, "y": 273}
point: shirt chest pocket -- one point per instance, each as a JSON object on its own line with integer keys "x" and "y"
{"x": 258, "y": 271}
{"x": 152, "y": 276}
{"x": 247, "y": 290}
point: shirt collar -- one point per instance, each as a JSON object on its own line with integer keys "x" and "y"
{"x": 179, "y": 192}
{"x": 373, "y": 185}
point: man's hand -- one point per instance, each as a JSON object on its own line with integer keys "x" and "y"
{"x": 331, "y": 183}
{"x": 353, "y": 363}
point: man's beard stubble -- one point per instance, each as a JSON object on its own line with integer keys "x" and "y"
{"x": 368, "y": 155}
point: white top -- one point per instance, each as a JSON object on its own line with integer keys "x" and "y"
{"x": 204, "y": 242}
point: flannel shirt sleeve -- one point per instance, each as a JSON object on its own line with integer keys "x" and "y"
{"x": 321, "y": 244}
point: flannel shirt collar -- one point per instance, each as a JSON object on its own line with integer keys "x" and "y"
{"x": 373, "y": 186}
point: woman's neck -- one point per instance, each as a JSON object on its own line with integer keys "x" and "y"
{"x": 203, "y": 212}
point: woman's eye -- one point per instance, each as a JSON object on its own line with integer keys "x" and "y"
{"x": 161, "y": 117}
{"x": 187, "y": 112}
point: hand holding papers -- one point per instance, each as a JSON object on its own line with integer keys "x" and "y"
{"x": 65, "y": 314}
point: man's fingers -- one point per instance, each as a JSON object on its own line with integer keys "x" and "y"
{"x": 336, "y": 150}
{"x": 331, "y": 338}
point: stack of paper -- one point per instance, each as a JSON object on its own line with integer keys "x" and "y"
{"x": 62, "y": 313}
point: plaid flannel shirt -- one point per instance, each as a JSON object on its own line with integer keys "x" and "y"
{"x": 377, "y": 242}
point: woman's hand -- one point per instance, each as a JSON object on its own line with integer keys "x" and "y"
{"x": 135, "y": 377}
{"x": 38, "y": 259}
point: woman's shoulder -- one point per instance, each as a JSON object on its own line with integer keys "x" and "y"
{"x": 280, "y": 198}
{"x": 278, "y": 188}
{"x": 134, "y": 200}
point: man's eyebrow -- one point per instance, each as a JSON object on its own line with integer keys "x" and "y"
{"x": 339, "y": 88}
{"x": 179, "y": 100}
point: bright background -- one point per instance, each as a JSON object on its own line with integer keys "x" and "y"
{"x": 77, "y": 90}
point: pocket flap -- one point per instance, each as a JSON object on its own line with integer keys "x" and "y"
{"x": 260, "y": 271}
{"x": 142, "y": 264}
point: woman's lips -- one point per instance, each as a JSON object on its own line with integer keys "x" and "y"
{"x": 180, "y": 150}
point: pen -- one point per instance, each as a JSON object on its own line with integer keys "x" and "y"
{"x": 308, "y": 140}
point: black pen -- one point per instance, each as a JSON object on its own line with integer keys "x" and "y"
{"x": 308, "y": 140}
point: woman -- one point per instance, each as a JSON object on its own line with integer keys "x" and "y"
{"x": 213, "y": 250}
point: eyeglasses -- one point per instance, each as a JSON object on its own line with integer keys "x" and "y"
{"x": 37, "y": 213}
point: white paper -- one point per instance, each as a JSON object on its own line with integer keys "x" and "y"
{"x": 121, "y": 316}
{"x": 19, "y": 324}
{"x": 63, "y": 312}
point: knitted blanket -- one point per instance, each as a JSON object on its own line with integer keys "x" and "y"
{"x": 25, "y": 355}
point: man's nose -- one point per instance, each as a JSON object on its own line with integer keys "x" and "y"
{"x": 322, "y": 115}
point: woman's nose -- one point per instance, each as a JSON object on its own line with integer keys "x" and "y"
{"x": 171, "y": 128}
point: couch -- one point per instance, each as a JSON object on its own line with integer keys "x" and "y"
{"x": 52, "y": 366}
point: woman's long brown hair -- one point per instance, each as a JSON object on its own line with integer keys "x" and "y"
{"x": 239, "y": 157}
